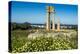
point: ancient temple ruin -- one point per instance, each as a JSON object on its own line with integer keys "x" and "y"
{"x": 51, "y": 13}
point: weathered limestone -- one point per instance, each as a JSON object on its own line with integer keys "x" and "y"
{"x": 58, "y": 25}
{"x": 48, "y": 23}
{"x": 51, "y": 12}
{"x": 53, "y": 24}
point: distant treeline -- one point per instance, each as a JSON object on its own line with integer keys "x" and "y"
{"x": 26, "y": 26}
{"x": 21, "y": 26}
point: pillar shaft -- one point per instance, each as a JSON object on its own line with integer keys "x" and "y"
{"x": 48, "y": 22}
{"x": 58, "y": 25}
{"x": 49, "y": 12}
{"x": 53, "y": 24}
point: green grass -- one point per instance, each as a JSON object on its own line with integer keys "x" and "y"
{"x": 18, "y": 38}
{"x": 20, "y": 42}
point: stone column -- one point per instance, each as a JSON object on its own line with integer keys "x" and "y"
{"x": 58, "y": 25}
{"x": 49, "y": 13}
{"x": 48, "y": 19}
{"x": 53, "y": 19}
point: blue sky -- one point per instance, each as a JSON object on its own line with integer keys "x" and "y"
{"x": 36, "y": 12}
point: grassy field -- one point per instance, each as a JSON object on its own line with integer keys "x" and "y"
{"x": 18, "y": 38}
{"x": 21, "y": 42}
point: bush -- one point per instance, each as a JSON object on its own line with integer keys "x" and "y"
{"x": 47, "y": 44}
